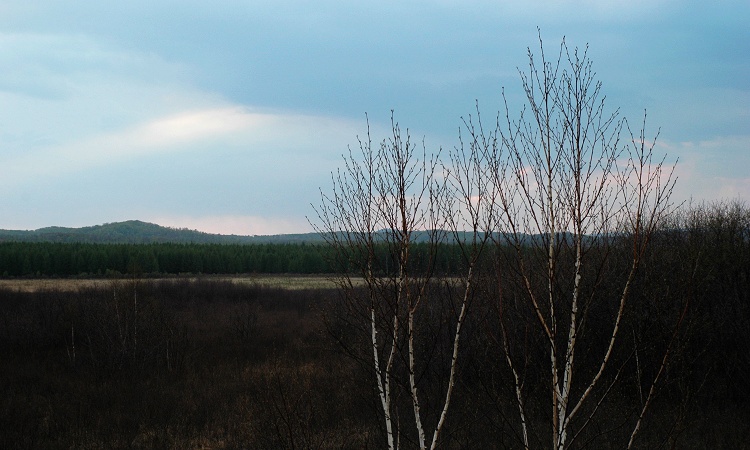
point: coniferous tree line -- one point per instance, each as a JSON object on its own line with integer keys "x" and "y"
{"x": 49, "y": 259}
{"x": 28, "y": 259}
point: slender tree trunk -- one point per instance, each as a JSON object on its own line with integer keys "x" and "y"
{"x": 454, "y": 359}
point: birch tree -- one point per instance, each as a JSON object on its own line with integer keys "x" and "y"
{"x": 384, "y": 202}
{"x": 571, "y": 181}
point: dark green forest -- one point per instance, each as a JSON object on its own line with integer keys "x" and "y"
{"x": 46, "y": 259}
{"x": 50, "y": 259}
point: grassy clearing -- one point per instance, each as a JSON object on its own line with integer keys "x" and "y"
{"x": 291, "y": 282}
{"x": 48, "y": 284}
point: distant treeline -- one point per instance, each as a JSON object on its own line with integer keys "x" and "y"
{"x": 29, "y": 259}
{"x": 49, "y": 259}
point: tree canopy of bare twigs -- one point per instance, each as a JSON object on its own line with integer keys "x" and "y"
{"x": 555, "y": 193}
{"x": 572, "y": 180}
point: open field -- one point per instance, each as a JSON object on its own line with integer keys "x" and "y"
{"x": 48, "y": 284}
{"x": 294, "y": 282}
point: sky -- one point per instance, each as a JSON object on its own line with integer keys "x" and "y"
{"x": 229, "y": 116}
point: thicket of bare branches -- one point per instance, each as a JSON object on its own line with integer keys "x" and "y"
{"x": 564, "y": 197}
{"x": 575, "y": 178}
{"x": 385, "y": 201}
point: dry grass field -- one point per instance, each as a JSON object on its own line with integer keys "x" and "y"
{"x": 47, "y": 284}
{"x": 292, "y": 282}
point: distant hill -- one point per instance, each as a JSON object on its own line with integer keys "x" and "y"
{"x": 138, "y": 232}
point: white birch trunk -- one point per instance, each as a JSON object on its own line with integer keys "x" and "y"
{"x": 518, "y": 388}
{"x": 413, "y": 384}
{"x": 383, "y": 383}
{"x": 454, "y": 360}
{"x": 563, "y": 418}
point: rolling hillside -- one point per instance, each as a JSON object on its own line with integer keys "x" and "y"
{"x": 138, "y": 232}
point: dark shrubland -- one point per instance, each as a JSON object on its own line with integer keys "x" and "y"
{"x": 171, "y": 364}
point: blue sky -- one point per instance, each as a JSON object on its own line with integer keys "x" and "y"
{"x": 228, "y": 116}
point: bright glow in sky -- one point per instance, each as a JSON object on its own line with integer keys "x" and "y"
{"x": 228, "y": 116}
